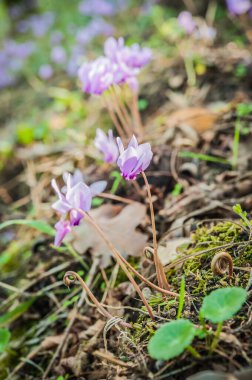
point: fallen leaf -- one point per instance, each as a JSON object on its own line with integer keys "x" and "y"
{"x": 169, "y": 252}
{"x": 200, "y": 119}
{"x": 92, "y": 330}
{"x": 119, "y": 225}
{"x": 52, "y": 341}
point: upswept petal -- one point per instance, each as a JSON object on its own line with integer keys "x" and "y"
{"x": 98, "y": 187}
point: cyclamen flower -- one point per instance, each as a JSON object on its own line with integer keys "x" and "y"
{"x": 121, "y": 64}
{"x": 129, "y": 57}
{"x": 135, "y": 159}
{"x": 77, "y": 196}
{"x": 186, "y": 22}
{"x": 99, "y": 75}
{"x": 107, "y": 145}
{"x": 62, "y": 229}
{"x": 238, "y": 7}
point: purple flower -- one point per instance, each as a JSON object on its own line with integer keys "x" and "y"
{"x": 99, "y": 75}
{"x": 186, "y": 22}
{"x": 62, "y": 229}
{"x": 56, "y": 37}
{"x": 238, "y": 7}
{"x": 45, "y": 72}
{"x": 95, "y": 7}
{"x": 58, "y": 54}
{"x": 37, "y": 24}
{"x": 129, "y": 57}
{"x": 135, "y": 159}
{"x": 107, "y": 145}
{"x": 77, "y": 196}
{"x": 95, "y": 28}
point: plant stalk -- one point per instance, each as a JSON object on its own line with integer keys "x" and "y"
{"x": 162, "y": 280}
{"x": 216, "y": 338}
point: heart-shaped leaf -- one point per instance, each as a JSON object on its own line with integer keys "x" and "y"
{"x": 222, "y": 304}
{"x": 171, "y": 339}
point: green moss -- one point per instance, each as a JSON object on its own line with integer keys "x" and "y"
{"x": 198, "y": 268}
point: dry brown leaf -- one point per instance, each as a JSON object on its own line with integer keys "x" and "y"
{"x": 169, "y": 252}
{"x": 96, "y": 328}
{"x": 119, "y": 225}
{"x": 200, "y": 119}
{"x": 52, "y": 341}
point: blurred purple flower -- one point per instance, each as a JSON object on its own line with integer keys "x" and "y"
{"x": 99, "y": 75}
{"x": 58, "y": 54}
{"x": 238, "y": 7}
{"x": 45, "y": 71}
{"x": 135, "y": 159}
{"x": 19, "y": 50}
{"x": 56, "y": 37}
{"x": 129, "y": 57}
{"x": 62, "y": 229}
{"x": 95, "y": 28}
{"x": 97, "y": 7}
{"x": 6, "y": 79}
{"x": 37, "y": 24}
{"x": 186, "y": 22}
{"x": 106, "y": 145}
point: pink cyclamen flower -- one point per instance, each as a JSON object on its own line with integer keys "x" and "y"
{"x": 186, "y": 22}
{"x": 97, "y": 76}
{"x": 62, "y": 229}
{"x": 238, "y": 7}
{"x": 107, "y": 145}
{"x": 75, "y": 198}
{"x": 135, "y": 159}
{"x": 129, "y": 58}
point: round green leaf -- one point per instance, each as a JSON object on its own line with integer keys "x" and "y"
{"x": 222, "y": 304}
{"x": 171, "y": 339}
{"x": 4, "y": 339}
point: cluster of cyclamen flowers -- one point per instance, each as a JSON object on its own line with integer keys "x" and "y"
{"x": 75, "y": 198}
{"x": 120, "y": 64}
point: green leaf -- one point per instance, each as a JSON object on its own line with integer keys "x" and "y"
{"x": 15, "y": 313}
{"x": 37, "y": 224}
{"x": 4, "y": 339}
{"x": 171, "y": 339}
{"x": 222, "y": 304}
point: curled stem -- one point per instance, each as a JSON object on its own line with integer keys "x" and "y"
{"x": 221, "y": 263}
{"x": 162, "y": 280}
{"x": 70, "y": 277}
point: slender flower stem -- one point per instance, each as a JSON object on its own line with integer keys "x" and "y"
{"x": 121, "y": 263}
{"x": 126, "y": 111}
{"x": 162, "y": 280}
{"x": 101, "y": 309}
{"x": 116, "y": 107}
{"x": 121, "y": 110}
{"x": 216, "y": 338}
{"x": 122, "y": 259}
{"x": 113, "y": 117}
{"x": 136, "y": 116}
